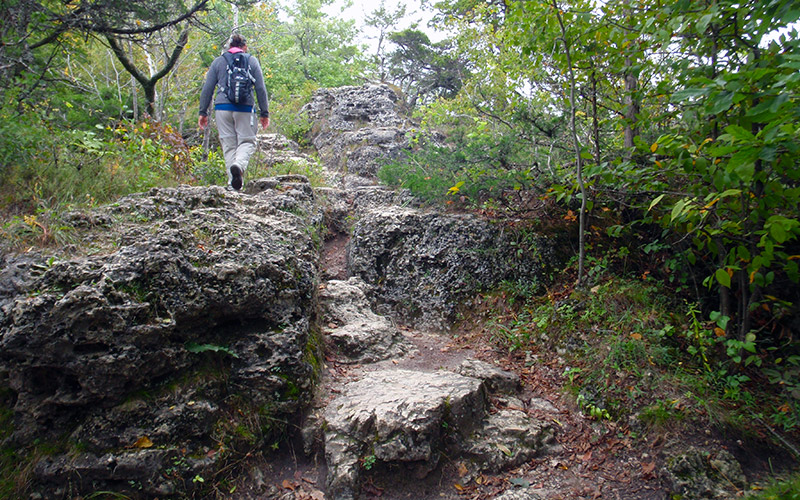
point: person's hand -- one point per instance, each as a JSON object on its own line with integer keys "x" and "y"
{"x": 264, "y": 121}
{"x": 202, "y": 122}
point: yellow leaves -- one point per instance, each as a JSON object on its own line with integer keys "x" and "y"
{"x": 571, "y": 216}
{"x": 659, "y": 164}
{"x": 654, "y": 147}
{"x": 31, "y": 221}
{"x": 719, "y": 332}
{"x": 636, "y": 336}
{"x": 143, "y": 442}
{"x": 455, "y": 189}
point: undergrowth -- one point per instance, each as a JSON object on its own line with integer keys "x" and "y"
{"x": 634, "y": 354}
{"x": 49, "y": 171}
{"x": 788, "y": 489}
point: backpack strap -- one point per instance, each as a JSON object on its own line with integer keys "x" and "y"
{"x": 247, "y": 60}
{"x": 229, "y": 59}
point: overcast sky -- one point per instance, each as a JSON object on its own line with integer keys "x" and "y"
{"x": 368, "y": 36}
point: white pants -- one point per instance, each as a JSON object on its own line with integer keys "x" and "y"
{"x": 237, "y": 134}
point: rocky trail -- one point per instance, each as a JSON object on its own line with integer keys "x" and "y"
{"x": 407, "y": 413}
{"x": 404, "y": 413}
{"x": 294, "y": 343}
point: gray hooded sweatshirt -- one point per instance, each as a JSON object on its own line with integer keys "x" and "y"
{"x": 217, "y": 77}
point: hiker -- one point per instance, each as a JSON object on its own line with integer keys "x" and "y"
{"x": 234, "y": 106}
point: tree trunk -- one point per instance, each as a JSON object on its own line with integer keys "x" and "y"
{"x": 595, "y": 120}
{"x": 576, "y": 145}
{"x": 631, "y": 104}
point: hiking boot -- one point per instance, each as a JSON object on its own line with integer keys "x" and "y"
{"x": 236, "y": 177}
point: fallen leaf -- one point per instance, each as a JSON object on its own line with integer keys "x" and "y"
{"x": 462, "y": 470}
{"x": 636, "y": 336}
{"x": 586, "y": 457}
{"x": 648, "y": 468}
{"x": 458, "y": 487}
{"x": 288, "y": 485}
{"x": 143, "y": 442}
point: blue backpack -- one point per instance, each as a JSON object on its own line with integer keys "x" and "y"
{"x": 239, "y": 81}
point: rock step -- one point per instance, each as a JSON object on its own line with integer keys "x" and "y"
{"x": 413, "y": 417}
{"x": 352, "y": 330}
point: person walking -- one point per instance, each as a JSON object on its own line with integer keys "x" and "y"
{"x": 236, "y": 121}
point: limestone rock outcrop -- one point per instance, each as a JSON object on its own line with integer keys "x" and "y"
{"x": 178, "y": 308}
{"x": 422, "y": 265}
{"x": 355, "y": 128}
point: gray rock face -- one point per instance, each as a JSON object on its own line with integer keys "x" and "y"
{"x": 497, "y": 380}
{"x": 354, "y": 127}
{"x": 352, "y": 329}
{"x": 507, "y": 438}
{"x": 696, "y": 474}
{"x": 396, "y": 416}
{"x": 422, "y": 265}
{"x": 279, "y": 149}
{"x": 179, "y": 302}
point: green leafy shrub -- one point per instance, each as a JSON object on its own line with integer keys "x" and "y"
{"x": 287, "y": 117}
{"x": 482, "y": 166}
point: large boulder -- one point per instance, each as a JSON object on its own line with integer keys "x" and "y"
{"x": 423, "y": 264}
{"x": 357, "y": 127}
{"x": 179, "y": 311}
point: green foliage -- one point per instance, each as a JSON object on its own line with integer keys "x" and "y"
{"x": 787, "y": 489}
{"x": 424, "y": 70}
{"x": 368, "y": 462}
{"x": 287, "y": 115}
{"x": 480, "y": 166}
{"x": 304, "y": 45}
{"x": 196, "y": 348}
